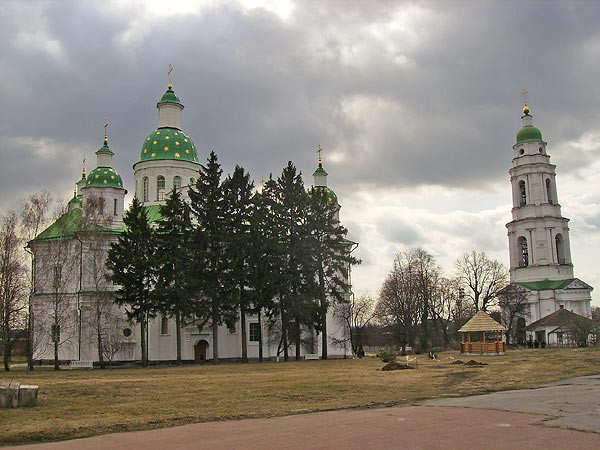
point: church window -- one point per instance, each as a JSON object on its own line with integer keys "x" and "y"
{"x": 160, "y": 187}
{"x": 115, "y": 206}
{"x": 231, "y": 327}
{"x": 164, "y": 326}
{"x": 549, "y": 191}
{"x": 145, "y": 189}
{"x": 521, "y": 152}
{"x": 560, "y": 248}
{"x": 176, "y": 182}
{"x": 254, "y": 332}
{"x": 541, "y": 150}
{"x": 127, "y": 332}
{"x": 523, "y": 193}
{"x": 524, "y": 252}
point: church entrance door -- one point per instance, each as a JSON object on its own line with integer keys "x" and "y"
{"x": 200, "y": 351}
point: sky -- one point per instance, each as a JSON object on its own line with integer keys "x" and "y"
{"x": 416, "y": 104}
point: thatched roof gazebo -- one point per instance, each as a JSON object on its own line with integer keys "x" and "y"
{"x": 482, "y": 335}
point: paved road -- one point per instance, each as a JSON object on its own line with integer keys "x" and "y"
{"x": 439, "y": 424}
{"x": 572, "y": 403}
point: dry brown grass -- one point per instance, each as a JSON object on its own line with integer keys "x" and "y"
{"x": 83, "y": 403}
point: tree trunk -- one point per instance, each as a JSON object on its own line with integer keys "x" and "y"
{"x": 284, "y": 335}
{"x": 215, "y": 333}
{"x": 243, "y": 325}
{"x": 178, "y": 337}
{"x": 56, "y": 365}
{"x": 260, "y": 340}
{"x": 99, "y": 338}
{"x": 29, "y": 340}
{"x": 323, "y": 305}
{"x": 7, "y": 351}
{"x": 297, "y": 339}
{"x": 143, "y": 325}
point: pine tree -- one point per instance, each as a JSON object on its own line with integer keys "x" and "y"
{"x": 237, "y": 192}
{"x": 297, "y": 282}
{"x": 331, "y": 252}
{"x": 174, "y": 288}
{"x": 207, "y": 206}
{"x": 131, "y": 261}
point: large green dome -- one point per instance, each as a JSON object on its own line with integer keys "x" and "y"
{"x": 529, "y": 134}
{"x": 324, "y": 191}
{"x": 104, "y": 177}
{"x": 168, "y": 143}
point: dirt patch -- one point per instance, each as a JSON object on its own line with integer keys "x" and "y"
{"x": 395, "y": 366}
{"x": 472, "y": 362}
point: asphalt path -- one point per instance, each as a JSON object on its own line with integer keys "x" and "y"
{"x": 550, "y": 417}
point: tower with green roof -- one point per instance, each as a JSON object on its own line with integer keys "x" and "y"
{"x": 320, "y": 182}
{"x": 538, "y": 234}
{"x": 168, "y": 157}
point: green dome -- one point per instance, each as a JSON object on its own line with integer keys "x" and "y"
{"x": 528, "y": 134}
{"x": 104, "y": 177}
{"x": 326, "y": 192}
{"x": 168, "y": 143}
{"x": 169, "y": 97}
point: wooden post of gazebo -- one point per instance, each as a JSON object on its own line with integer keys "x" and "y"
{"x": 482, "y": 323}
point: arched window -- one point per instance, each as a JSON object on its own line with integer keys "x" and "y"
{"x": 164, "y": 326}
{"x": 145, "y": 189}
{"x": 549, "y": 191}
{"x": 523, "y": 251}
{"x": 560, "y": 248}
{"x": 522, "y": 193}
{"x": 160, "y": 187}
{"x": 176, "y": 182}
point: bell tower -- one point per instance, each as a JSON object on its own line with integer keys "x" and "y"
{"x": 538, "y": 235}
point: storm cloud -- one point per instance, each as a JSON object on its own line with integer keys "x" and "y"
{"x": 416, "y": 105}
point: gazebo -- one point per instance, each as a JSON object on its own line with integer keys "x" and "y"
{"x": 482, "y": 335}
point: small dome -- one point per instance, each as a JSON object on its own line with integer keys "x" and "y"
{"x": 104, "y": 177}
{"x": 169, "y": 97}
{"x": 529, "y": 134}
{"x": 326, "y": 192}
{"x": 168, "y": 143}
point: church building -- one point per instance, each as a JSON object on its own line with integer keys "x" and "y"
{"x": 538, "y": 237}
{"x": 71, "y": 290}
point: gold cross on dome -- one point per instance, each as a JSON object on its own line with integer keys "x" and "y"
{"x": 319, "y": 150}
{"x": 169, "y": 75}
{"x": 105, "y": 129}
{"x": 524, "y": 96}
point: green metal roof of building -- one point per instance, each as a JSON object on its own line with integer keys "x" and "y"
{"x": 324, "y": 191}
{"x": 169, "y": 97}
{"x": 69, "y": 224}
{"x": 546, "y": 285}
{"x": 104, "y": 177}
{"x": 168, "y": 143}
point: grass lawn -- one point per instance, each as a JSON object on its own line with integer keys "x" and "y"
{"x": 82, "y": 403}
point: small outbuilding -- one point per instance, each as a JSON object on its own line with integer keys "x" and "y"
{"x": 482, "y": 335}
{"x": 563, "y": 328}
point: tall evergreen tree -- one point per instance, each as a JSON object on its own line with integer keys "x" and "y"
{"x": 263, "y": 257}
{"x": 331, "y": 252}
{"x": 237, "y": 192}
{"x": 207, "y": 206}
{"x": 296, "y": 283}
{"x": 174, "y": 288}
{"x": 131, "y": 261}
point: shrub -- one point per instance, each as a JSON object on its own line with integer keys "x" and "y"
{"x": 387, "y": 356}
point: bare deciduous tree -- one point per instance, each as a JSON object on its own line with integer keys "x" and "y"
{"x": 356, "y": 316}
{"x": 513, "y": 304}
{"x": 13, "y": 283}
{"x": 482, "y": 277}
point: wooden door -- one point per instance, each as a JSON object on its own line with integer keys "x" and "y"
{"x": 200, "y": 351}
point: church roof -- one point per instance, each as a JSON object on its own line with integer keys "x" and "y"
{"x": 529, "y": 134}
{"x": 168, "y": 143}
{"x": 560, "y": 318}
{"x": 104, "y": 177}
{"x": 549, "y": 285}
{"x": 169, "y": 97}
{"x": 481, "y": 321}
{"x": 67, "y": 225}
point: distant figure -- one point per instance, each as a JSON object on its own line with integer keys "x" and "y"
{"x": 432, "y": 355}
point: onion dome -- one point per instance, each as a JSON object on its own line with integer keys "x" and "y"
{"x": 169, "y": 97}
{"x": 326, "y": 192}
{"x": 528, "y": 133}
{"x": 104, "y": 177}
{"x": 169, "y": 143}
